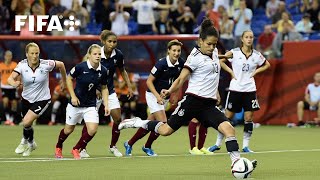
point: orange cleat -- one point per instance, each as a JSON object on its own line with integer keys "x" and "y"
{"x": 76, "y": 154}
{"x": 58, "y": 153}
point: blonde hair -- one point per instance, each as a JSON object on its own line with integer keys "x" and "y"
{"x": 86, "y": 57}
{"x": 32, "y": 44}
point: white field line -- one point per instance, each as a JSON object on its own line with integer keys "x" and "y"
{"x": 24, "y": 159}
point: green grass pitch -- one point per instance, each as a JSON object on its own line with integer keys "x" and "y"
{"x": 282, "y": 153}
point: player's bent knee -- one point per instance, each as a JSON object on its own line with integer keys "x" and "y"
{"x": 226, "y": 129}
{"x": 165, "y": 130}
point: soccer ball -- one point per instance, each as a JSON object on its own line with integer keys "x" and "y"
{"x": 242, "y": 168}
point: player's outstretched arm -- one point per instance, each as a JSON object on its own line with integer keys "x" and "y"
{"x": 226, "y": 67}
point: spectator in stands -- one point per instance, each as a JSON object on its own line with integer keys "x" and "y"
{"x": 119, "y": 20}
{"x": 311, "y": 100}
{"x": 146, "y": 20}
{"x": 221, "y": 3}
{"x": 4, "y": 18}
{"x": 304, "y": 25}
{"x": 195, "y": 6}
{"x": 183, "y": 19}
{"x": 9, "y": 93}
{"x": 314, "y": 10}
{"x": 81, "y": 14}
{"x": 288, "y": 34}
{"x": 272, "y": 7}
{"x": 102, "y": 14}
{"x": 208, "y": 11}
{"x": 316, "y": 24}
{"x": 279, "y": 24}
{"x": 265, "y": 39}
{"x": 164, "y": 24}
{"x": 277, "y": 16}
{"x": 242, "y": 18}
{"x": 226, "y": 31}
{"x": 58, "y": 9}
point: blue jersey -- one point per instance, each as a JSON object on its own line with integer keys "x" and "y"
{"x": 165, "y": 73}
{"x": 87, "y": 81}
{"x": 115, "y": 60}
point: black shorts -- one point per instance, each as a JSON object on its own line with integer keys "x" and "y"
{"x": 307, "y": 106}
{"x": 238, "y": 100}
{"x": 38, "y": 107}
{"x": 12, "y": 94}
{"x": 204, "y": 110}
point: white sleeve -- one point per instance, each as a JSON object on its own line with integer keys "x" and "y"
{"x": 50, "y": 64}
{"x": 154, "y": 4}
{"x": 18, "y": 68}
{"x": 191, "y": 63}
{"x": 261, "y": 59}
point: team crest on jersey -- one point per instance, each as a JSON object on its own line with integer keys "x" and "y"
{"x": 26, "y": 70}
{"x": 99, "y": 75}
{"x": 115, "y": 61}
{"x": 229, "y": 105}
{"x": 181, "y": 112}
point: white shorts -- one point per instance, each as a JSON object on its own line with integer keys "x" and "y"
{"x": 113, "y": 102}
{"x": 75, "y": 115}
{"x": 152, "y": 103}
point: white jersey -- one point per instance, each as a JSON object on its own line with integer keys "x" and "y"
{"x": 205, "y": 74}
{"x": 243, "y": 68}
{"x": 314, "y": 92}
{"x": 35, "y": 82}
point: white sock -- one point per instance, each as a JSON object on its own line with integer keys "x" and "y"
{"x": 246, "y": 139}
{"x": 234, "y": 155}
{"x": 8, "y": 117}
{"x": 23, "y": 141}
{"x": 220, "y": 137}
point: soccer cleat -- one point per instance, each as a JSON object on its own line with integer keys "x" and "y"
{"x": 195, "y": 151}
{"x": 128, "y": 148}
{"x": 131, "y": 123}
{"x": 254, "y": 163}
{"x": 114, "y": 150}
{"x": 76, "y": 154}
{"x": 213, "y": 148}
{"x": 31, "y": 146}
{"x": 206, "y": 151}
{"x": 149, "y": 151}
{"x": 58, "y": 153}
{"x": 22, "y": 146}
{"x": 247, "y": 150}
{"x": 84, "y": 153}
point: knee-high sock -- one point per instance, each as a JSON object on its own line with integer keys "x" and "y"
{"x": 28, "y": 133}
{"x": 220, "y": 137}
{"x": 248, "y": 128}
{"x": 152, "y": 137}
{"x": 115, "y": 135}
{"x": 62, "y": 137}
{"x": 84, "y": 131}
{"x": 202, "y": 136}
{"x": 192, "y": 130}
{"x": 83, "y": 141}
{"x": 233, "y": 148}
{"x": 139, "y": 134}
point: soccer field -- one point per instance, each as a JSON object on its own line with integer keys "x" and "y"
{"x": 282, "y": 153}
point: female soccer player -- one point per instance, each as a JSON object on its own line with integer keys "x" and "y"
{"x": 246, "y": 63}
{"x": 34, "y": 74}
{"x": 89, "y": 76}
{"x": 203, "y": 69}
{"x": 162, "y": 75}
{"x": 112, "y": 58}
